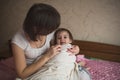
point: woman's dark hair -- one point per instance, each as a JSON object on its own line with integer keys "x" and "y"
{"x": 61, "y": 30}
{"x": 41, "y": 19}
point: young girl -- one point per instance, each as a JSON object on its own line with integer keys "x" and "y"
{"x": 63, "y": 66}
{"x": 64, "y": 37}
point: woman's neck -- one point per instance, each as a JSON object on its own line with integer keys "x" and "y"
{"x": 38, "y": 43}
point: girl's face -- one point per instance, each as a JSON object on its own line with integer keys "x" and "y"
{"x": 63, "y": 38}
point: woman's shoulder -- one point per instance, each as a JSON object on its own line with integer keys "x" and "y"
{"x": 19, "y": 35}
{"x": 50, "y": 36}
{"x": 19, "y": 39}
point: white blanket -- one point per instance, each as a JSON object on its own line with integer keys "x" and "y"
{"x": 62, "y": 67}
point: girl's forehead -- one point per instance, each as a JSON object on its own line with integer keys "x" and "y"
{"x": 63, "y": 32}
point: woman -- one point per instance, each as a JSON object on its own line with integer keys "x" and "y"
{"x": 33, "y": 39}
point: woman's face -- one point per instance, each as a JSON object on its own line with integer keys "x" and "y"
{"x": 63, "y": 38}
{"x": 41, "y": 38}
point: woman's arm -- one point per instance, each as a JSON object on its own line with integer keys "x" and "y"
{"x": 22, "y": 69}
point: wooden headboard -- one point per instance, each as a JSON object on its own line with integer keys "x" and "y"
{"x": 99, "y": 50}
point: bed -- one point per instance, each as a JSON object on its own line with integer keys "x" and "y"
{"x": 103, "y": 60}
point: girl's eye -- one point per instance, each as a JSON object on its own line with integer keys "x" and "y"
{"x": 65, "y": 37}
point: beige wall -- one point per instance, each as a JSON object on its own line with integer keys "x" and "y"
{"x": 92, "y": 20}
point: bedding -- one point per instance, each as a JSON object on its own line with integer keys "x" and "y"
{"x": 104, "y": 64}
{"x": 104, "y": 70}
{"x": 7, "y": 70}
{"x": 99, "y": 69}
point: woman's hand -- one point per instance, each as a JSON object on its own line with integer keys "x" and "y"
{"x": 74, "y": 50}
{"x": 53, "y": 50}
